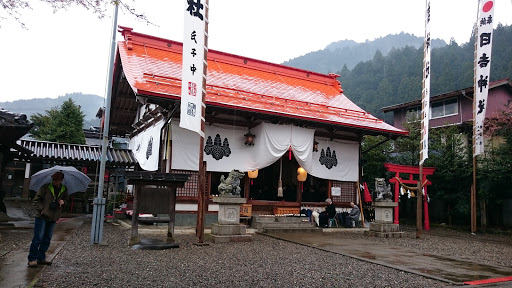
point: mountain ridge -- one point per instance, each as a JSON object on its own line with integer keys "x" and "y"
{"x": 349, "y": 52}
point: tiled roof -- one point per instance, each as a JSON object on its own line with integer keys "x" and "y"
{"x": 74, "y": 152}
{"x": 469, "y": 91}
{"x": 13, "y": 126}
{"x": 152, "y": 67}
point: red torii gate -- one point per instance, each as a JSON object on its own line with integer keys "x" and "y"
{"x": 411, "y": 170}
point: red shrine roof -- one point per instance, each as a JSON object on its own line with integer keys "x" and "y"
{"x": 153, "y": 67}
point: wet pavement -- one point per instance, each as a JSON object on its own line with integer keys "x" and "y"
{"x": 437, "y": 267}
{"x": 14, "y": 271}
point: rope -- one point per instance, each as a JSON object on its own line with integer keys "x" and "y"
{"x": 410, "y": 188}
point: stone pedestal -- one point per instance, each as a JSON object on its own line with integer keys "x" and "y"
{"x": 228, "y": 228}
{"x": 383, "y": 225}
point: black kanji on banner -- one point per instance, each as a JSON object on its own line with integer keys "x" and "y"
{"x": 216, "y": 149}
{"x": 327, "y": 159}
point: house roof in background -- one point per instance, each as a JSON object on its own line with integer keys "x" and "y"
{"x": 13, "y": 126}
{"x": 63, "y": 152}
{"x": 153, "y": 67}
{"x": 466, "y": 91}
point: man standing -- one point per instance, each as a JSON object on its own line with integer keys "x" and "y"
{"x": 48, "y": 202}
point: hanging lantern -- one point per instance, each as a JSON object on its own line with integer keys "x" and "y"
{"x": 302, "y": 174}
{"x": 252, "y": 174}
{"x": 290, "y": 153}
{"x": 315, "y": 146}
{"x": 249, "y": 138}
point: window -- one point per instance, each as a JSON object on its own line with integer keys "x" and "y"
{"x": 444, "y": 108}
{"x": 413, "y": 114}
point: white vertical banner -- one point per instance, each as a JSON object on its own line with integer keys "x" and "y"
{"x": 193, "y": 80}
{"x": 425, "y": 95}
{"x": 484, "y": 29}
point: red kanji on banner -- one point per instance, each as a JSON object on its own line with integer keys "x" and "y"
{"x": 192, "y": 89}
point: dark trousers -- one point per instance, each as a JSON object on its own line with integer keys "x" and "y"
{"x": 323, "y": 219}
{"x": 345, "y": 219}
{"x": 43, "y": 231}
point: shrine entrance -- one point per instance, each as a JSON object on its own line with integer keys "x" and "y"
{"x": 412, "y": 178}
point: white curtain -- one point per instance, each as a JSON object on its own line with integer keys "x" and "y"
{"x": 336, "y": 160}
{"x": 146, "y": 147}
{"x": 225, "y": 150}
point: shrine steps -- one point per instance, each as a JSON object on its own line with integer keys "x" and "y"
{"x": 282, "y": 223}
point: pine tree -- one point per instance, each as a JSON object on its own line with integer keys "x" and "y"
{"x": 60, "y": 124}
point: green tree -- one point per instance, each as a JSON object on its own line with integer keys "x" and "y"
{"x": 376, "y": 152}
{"x": 450, "y": 154}
{"x": 495, "y": 168}
{"x": 408, "y": 147}
{"x": 60, "y": 124}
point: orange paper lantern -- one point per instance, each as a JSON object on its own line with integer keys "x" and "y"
{"x": 302, "y": 174}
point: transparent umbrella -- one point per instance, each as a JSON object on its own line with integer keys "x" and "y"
{"x": 74, "y": 180}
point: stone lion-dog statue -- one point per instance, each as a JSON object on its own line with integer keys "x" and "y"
{"x": 231, "y": 185}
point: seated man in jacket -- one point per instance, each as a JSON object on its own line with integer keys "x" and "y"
{"x": 352, "y": 216}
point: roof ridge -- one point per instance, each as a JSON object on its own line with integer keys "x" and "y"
{"x": 131, "y": 37}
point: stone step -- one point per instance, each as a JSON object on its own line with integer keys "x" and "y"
{"x": 290, "y": 230}
{"x": 259, "y": 218}
{"x": 292, "y": 219}
{"x": 267, "y": 219}
{"x": 261, "y": 225}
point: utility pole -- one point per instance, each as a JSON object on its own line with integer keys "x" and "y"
{"x": 99, "y": 202}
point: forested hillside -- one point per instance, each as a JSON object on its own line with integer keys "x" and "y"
{"x": 396, "y": 78}
{"x": 88, "y": 103}
{"x": 350, "y": 53}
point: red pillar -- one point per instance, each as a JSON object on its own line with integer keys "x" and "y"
{"x": 426, "y": 221}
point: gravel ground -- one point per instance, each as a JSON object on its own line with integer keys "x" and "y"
{"x": 264, "y": 262}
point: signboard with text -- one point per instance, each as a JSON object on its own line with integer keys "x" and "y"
{"x": 194, "y": 68}
{"x": 425, "y": 95}
{"x": 484, "y": 30}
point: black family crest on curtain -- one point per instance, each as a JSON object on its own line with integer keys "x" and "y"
{"x": 216, "y": 149}
{"x": 327, "y": 159}
{"x": 149, "y": 151}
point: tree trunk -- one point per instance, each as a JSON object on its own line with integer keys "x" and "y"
{"x": 483, "y": 214}
{"x": 450, "y": 218}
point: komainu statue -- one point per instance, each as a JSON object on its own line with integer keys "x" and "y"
{"x": 231, "y": 185}
{"x": 383, "y": 191}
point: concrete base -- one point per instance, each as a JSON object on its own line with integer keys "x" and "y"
{"x": 229, "y": 209}
{"x": 384, "y": 230}
{"x": 154, "y": 244}
{"x": 384, "y": 227}
{"x": 228, "y": 228}
{"x": 231, "y": 238}
{"x": 220, "y": 229}
{"x": 384, "y": 234}
{"x": 384, "y": 211}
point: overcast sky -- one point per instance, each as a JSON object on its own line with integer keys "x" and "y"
{"x": 68, "y": 51}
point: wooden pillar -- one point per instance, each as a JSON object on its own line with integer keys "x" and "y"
{"x": 397, "y": 189}
{"x": 172, "y": 215}
{"x": 26, "y": 181}
{"x": 418, "y": 210}
{"x": 134, "y": 236}
{"x": 247, "y": 187}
